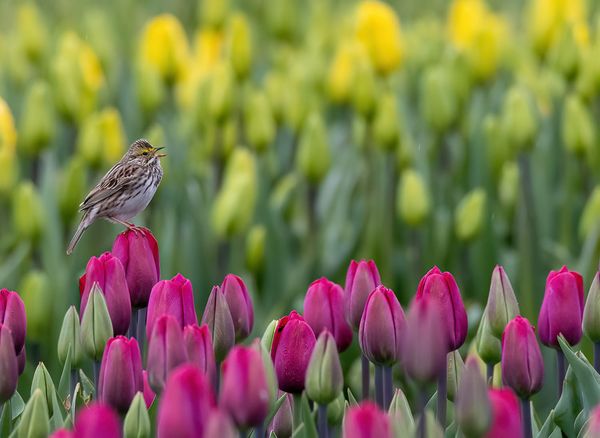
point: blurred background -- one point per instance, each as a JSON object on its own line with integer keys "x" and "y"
{"x": 300, "y": 135}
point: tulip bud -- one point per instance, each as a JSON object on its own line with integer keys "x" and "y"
{"x": 519, "y": 122}
{"x": 442, "y": 287}
{"x": 591, "y": 312}
{"x": 487, "y": 344}
{"x": 32, "y": 30}
{"x": 473, "y": 410}
{"x": 438, "y": 100}
{"x": 313, "y": 156}
{"x": 324, "y": 376}
{"x": 166, "y": 350}
{"x": 412, "y": 203}
{"x": 292, "y": 346}
{"x": 8, "y": 365}
{"x": 470, "y": 215}
{"x": 73, "y": 184}
{"x": 362, "y": 278}
{"x": 199, "y": 349}
{"x": 590, "y": 218}
{"x": 173, "y": 297}
{"x": 381, "y": 327}
{"x": 36, "y": 299}
{"x": 240, "y": 305}
{"x": 187, "y": 388}
{"x": 282, "y": 425}
{"x": 259, "y": 121}
{"x": 107, "y": 271}
{"x": 386, "y": 123}
{"x": 149, "y": 394}
{"x": 138, "y": 253}
{"x": 213, "y": 13}
{"x": 454, "y": 371}
{"x": 240, "y": 45}
{"x": 578, "y": 128}
{"x": 69, "y": 339}
{"x": 509, "y": 185}
{"x": 27, "y": 212}
{"x": 35, "y": 421}
{"x": 562, "y": 308}
{"x": 220, "y": 323}
{"x": 219, "y": 424}
{"x": 522, "y": 364}
{"x": 267, "y": 338}
{"x": 95, "y": 420}
{"x": 62, "y": 433}
{"x": 341, "y": 71}
{"x": 12, "y": 316}
{"x": 150, "y": 89}
{"x": 96, "y": 327}
{"x": 37, "y": 125}
{"x": 255, "y": 248}
{"x": 8, "y": 132}
{"x": 502, "y": 305}
{"x": 220, "y": 92}
{"x": 42, "y": 381}
{"x": 366, "y": 420}
{"x": 21, "y": 360}
{"x": 506, "y": 413}
{"x": 8, "y": 166}
{"x": 325, "y": 309}
{"x": 401, "y": 415}
{"x": 425, "y": 344}
{"x": 364, "y": 86}
{"x": 137, "y": 420}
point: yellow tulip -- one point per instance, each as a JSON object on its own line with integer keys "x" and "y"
{"x": 32, "y": 30}
{"x": 550, "y": 18}
{"x": 8, "y": 132}
{"x": 240, "y": 45}
{"x": 341, "y": 71}
{"x": 9, "y": 168}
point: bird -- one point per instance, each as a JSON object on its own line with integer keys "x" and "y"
{"x": 125, "y": 190}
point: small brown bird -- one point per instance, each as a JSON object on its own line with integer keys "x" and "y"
{"x": 125, "y": 190}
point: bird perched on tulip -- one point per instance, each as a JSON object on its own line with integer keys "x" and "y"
{"x": 125, "y": 190}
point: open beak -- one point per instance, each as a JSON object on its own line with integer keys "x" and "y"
{"x": 159, "y": 155}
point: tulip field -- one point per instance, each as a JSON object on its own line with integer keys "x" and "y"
{"x": 376, "y": 218}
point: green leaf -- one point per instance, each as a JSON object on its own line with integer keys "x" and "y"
{"x": 587, "y": 378}
{"x": 547, "y": 427}
{"x": 275, "y": 409}
{"x": 351, "y": 399}
{"x": 64, "y": 384}
{"x": 87, "y": 385}
{"x": 568, "y": 406}
{"x": 17, "y": 405}
{"x": 5, "y": 420}
{"x": 308, "y": 419}
{"x": 581, "y": 423}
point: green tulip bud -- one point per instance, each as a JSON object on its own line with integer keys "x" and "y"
{"x": 89, "y": 140}
{"x": 588, "y": 80}
{"x": 28, "y": 211}
{"x": 438, "y": 101}
{"x": 234, "y": 206}
{"x": 96, "y": 326}
{"x": 8, "y": 169}
{"x": 240, "y": 45}
{"x": 150, "y": 88}
{"x": 113, "y": 135}
{"x": 32, "y": 31}
{"x": 282, "y": 18}
{"x": 401, "y": 415}
{"x": 220, "y": 92}
{"x": 296, "y": 107}
{"x": 488, "y": 346}
{"x": 502, "y": 305}
{"x": 455, "y": 366}
{"x": 259, "y": 121}
{"x": 255, "y": 247}
{"x": 335, "y": 410}
{"x": 386, "y": 123}
{"x": 412, "y": 203}
{"x": 276, "y": 87}
{"x": 473, "y": 407}
{"x": 69, "y": 339}
{"x": 42, "y": 381}
{"x": 267, "y": 338}
{"x": 73, "y": 186}
{"x": 269, "y": 369}
{"x": 564, "y": 53}
{"x": 508, "y": 187}
{"x": 518, "y": 119}
{"x": 213, "y": 13}
{"x": 35, "y": 421}
{"x": 590, "y": 218}
{"x": 37, "y": 127}
{"x": 364, "y": 87}
{"x": 36, "y": 296}
{"x": 324, "y": 376}
{"x": 313, "y": 156}
{"x": 591, "y": 311}
{"x": 469, "y": 215}
{"x": 137, "y": 420}
{"x": 578, "y": 129}
{"x": 282, "y": 196}
{"x": 499, "y": 150}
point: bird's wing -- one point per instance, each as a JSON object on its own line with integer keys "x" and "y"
{"x": 116, "y": 179}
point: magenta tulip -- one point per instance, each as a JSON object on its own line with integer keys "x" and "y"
{"x": 166, "y": 351}
{"x": 366, "y": 421}
{"x": 199, "y": 349}
{"x": 325, "y": 309}
{"x": 592, "y": 428}
{"x": 506, "y": 414}
{"x": 149, "y": 394}
{"x": 62, "y": 433}
{"x": 120, "y": 373}
{"x": 244, "y": 391}
{"x": 522, "y": 364}
{"x": 362, "y": 277}
{"x": 186, "y": 404}
{"x": 12, "y": 315}
{"x": 173, "y": 297}
{"x": 282, "y": 423}
{"x": 9, "y": 367}
{"x": 240, "y": 305}
{"x": 562, "y": 308}
{"x": 97, "y": 420}
{"x": 292, "y": 346}
{"x": 442, "y": 287}
{"x": 138, "y": 252}
{"x": 219, "y": 425}
{"x": 108, "y": 272}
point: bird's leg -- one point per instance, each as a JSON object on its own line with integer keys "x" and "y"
{"x": 128, "y": 225}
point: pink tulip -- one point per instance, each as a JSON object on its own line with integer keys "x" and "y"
{"x": 149, "y": 394}
{"x": 362, "y": 277}
{"x": 199, "y": 349}
{"x": 97, "y": 420}
{"x": 62, "y": 433}
{"x": 12, "y": 315}
{"x": 506, "y": 414}
{"x": 366, "y": 421}
{"x": 166, "y": 351}
{"x": 219, "y": 425}
{"x": 9, "y": 368}
{"x": 240, "y": 305}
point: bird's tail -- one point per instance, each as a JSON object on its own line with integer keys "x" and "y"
{"x": 85, "y": 222}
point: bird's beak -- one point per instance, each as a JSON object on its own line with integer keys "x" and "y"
{"x": 159, "y": 155}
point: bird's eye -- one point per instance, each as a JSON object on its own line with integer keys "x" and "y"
{"x": 145, "y": 153}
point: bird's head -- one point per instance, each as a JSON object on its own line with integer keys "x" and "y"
{"x": 141, "y": 149}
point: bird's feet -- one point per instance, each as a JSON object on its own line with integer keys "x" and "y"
{"x": 135, "y": 228}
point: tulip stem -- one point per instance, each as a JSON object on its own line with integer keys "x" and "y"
{"x": 388, "y": 387}
{"x": 74, "y": 376}
{"x": 442, "y": 395}
{"x": 259, "y": 431}
{"x": 322, "y": 421}
{"x": 96, "y": 365}
{"x": 422, "y": 432}
{"x": 243, "y": 434}
{"x": 597, "y": 356}
{"x": 490, "y": 373}
{"x": 366, "y": 377}
{"x": 526, "y": 415}
{"x": 297, "y": 418}
{"x": 141, "y": 329}
{"x": 134, "y": 324}
{"x": 561, "y": 371}
{"x": 379, "y": 385}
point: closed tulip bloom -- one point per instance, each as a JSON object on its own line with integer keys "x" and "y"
{"x": 9, "y": 367}
{"x": 473, "y": 410}
{"x": 108, "y": 272}
{"x": 506, "y": 414}
{"x": 62, "y": 433}
{"x": 97, "y": 420}
{"x": 199, "y": 349}
{"x": 12, "y": 315}
{"x": 282, "y": 424}
{"x": 324, "y": 376}
{"x": 166, "y": 351}
{"x": 366, "y": 421}
{"x": 220, "y": 323}
{"x": 120, "y": 373}
{"x": 424, "y": 343}
{"x": 219, "y": 425}
{"x": 562, "y": 308}
{"x": 291, "y": 349}
{"x": 240, "y": 305}
{"x": 442, "y": 287}
{"x": 381, "y": 327}
{"x": 325, "y": 309}
{"x": 174, "y": 297}
{"x": 138, "y": 252}
{"x": 185, "y": 404}
{"x": 522, "y": 364}
{"x": 591, "y": 311}
{"x": 592, "y": 429}
{"x": 149, "y": 394}
{"x": 362, "y": 277}
{"x": 21, "y": 360}
{"x": 502, "y": 305}
{"x": 244, "y": 390}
